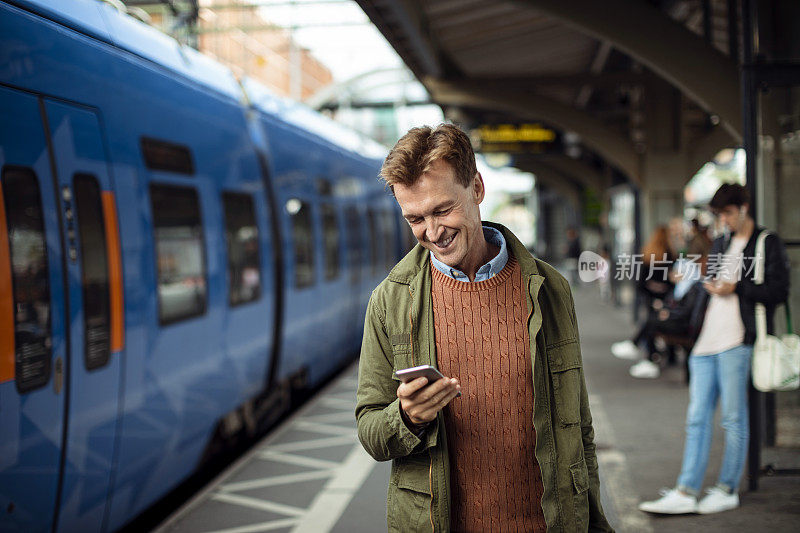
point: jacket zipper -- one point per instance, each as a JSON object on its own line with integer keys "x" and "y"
{"x": 411, "y": 323}
{"x": 430, "y": 484}
{"x": 530, "y": 297}
{"x": 413, "y": 362}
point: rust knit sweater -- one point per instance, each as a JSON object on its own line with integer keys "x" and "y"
{"x": 482, "y": 339}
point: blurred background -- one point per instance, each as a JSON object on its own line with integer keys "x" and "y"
{"x": 623, "y": 139}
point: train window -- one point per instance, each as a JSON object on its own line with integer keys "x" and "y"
{"x": 303, "y": 237}
{"x": 372, "y": 224}
{"x": 167, "y": 156}
{"x": 180, "y": 253}
{"x": 353, "y": 234}
{"x": 30, "y": 277}
{"x": 353, "y": 224}
{"x": 244, "y": 261}
{"x": 330, "y": 232}
{"x": 324, "y": 187}
{"x": 94, "y": 271}
{"x": 389, "y": 237}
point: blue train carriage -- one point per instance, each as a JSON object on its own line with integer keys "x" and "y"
{"x": 325, "y": 180}
{"x": 169, "y": 257}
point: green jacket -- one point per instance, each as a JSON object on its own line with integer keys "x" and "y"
{"x": 398, "y": 333}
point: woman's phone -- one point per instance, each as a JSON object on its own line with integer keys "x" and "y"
{"x": 423, "y": 371}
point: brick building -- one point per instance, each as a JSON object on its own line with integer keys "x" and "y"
{"x": 245, "y": 41}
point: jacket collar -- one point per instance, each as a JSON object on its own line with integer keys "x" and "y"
{"x": 751, "y": 242}
{"x": 418, "y": 259}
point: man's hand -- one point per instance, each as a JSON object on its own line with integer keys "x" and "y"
{"x": 722, "y": 288}
{"x": 420, "y": 402}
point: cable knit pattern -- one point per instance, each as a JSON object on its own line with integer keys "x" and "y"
{"x": 482, "y": 339}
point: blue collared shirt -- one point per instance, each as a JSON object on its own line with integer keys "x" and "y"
{"x": 488, "y": 270}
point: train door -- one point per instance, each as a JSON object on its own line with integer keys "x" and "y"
{"x": 94, "y": 314}
{"x": 33, "y": 336}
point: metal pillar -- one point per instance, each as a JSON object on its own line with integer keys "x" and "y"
{"x": 759, "y": 74}
{"x": 750, "y": 137}
{"x": 637, "y": 244}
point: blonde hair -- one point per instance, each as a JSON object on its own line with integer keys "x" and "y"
{"x": 419, "y": 148}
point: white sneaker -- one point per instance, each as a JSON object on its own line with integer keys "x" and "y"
{"x": 672, "y": 501}
{"x": 645, "y": 369}
{"x": 625, "y": 350}
{"x": 717, "y": 500}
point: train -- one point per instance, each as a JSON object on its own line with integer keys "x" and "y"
{"x": 182, "y": 253}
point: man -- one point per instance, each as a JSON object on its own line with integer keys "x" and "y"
{"x": 719, "y": 366}
{"x": 515, "y": 452}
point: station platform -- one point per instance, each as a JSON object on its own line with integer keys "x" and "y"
{"x": 311, "y": 475}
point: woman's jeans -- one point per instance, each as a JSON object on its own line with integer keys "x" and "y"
{"x": 720, "y": 376}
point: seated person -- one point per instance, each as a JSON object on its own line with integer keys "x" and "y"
{"x": 678, "y": 317}
{"x": 671, "y": 315}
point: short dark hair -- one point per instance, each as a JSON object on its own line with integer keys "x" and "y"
{"x": 729, "y": 194}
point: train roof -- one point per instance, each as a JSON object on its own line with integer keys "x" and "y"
{"x": 306, "y": 118}
{"x": 106, "y": 23}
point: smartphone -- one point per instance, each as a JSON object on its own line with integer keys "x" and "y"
{"x": 427, "y": 371}
{"x": 410, "y": 374}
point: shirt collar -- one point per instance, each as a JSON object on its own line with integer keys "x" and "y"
{"x": 488, "y": 270}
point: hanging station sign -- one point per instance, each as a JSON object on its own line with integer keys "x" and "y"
{"x": 535, "y": 138}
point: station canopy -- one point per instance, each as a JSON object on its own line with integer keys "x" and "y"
{"x": 583, "y": 88}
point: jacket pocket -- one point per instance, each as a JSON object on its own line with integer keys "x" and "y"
{"x": 580, "y": 477}
{"x": 413, "y": 472}
{"x": 580, "y": 486}
{"x": 410, "y": 494}
{"x": 401, "y": 350}
{"x": 565, "y": 366}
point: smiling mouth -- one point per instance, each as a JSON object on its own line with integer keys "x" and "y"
{"x": 444, "y": 243}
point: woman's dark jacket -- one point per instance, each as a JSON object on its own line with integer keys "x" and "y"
{"x": 687, "y": 313}
{"x": 653, "y": 281}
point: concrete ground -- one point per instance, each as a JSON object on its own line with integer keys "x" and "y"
{"x": 311, "y": 474}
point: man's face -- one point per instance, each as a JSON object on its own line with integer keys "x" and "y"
{"x": 444, "y": 215}
{"x": 732, "y": 216}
